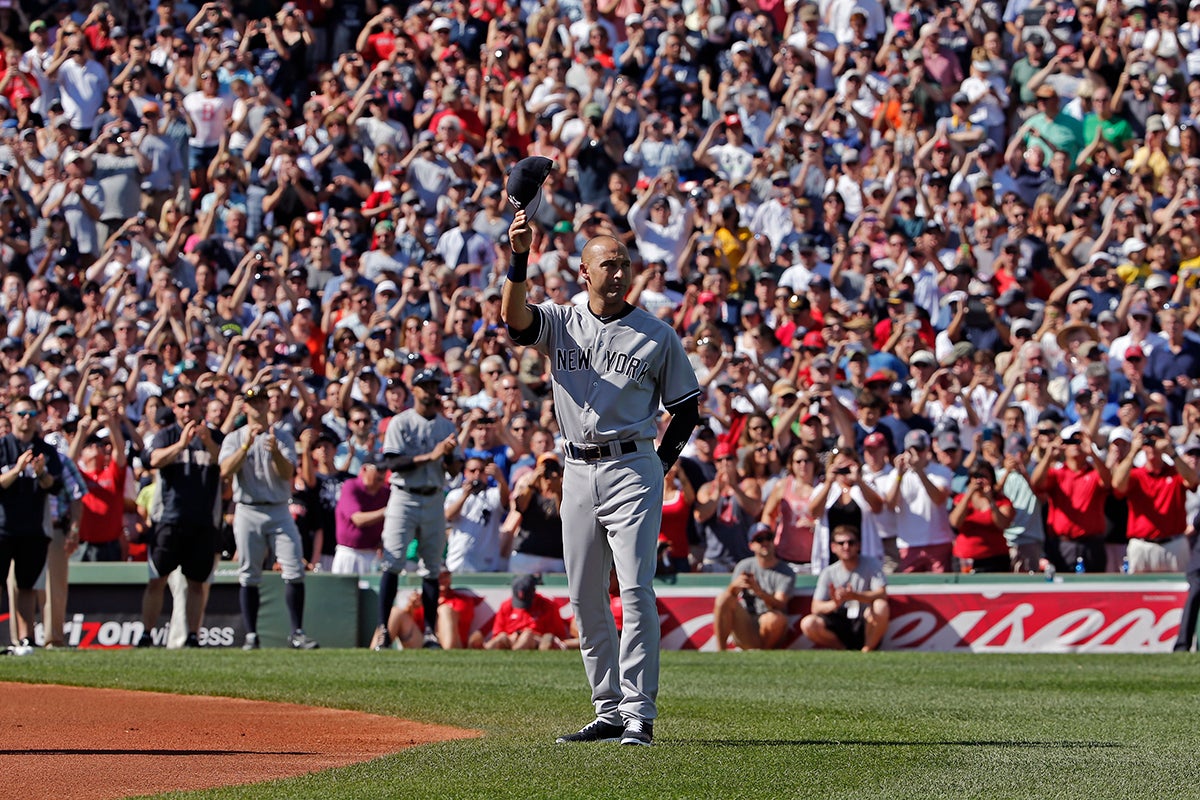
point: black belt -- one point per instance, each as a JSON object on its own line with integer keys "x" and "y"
{"x": 252, "y": 503}
{"x": 427, "y": 491}
{"x": 595, "y": 452}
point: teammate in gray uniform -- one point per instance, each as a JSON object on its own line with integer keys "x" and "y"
{"x": 261, "y": 459}
{"x": 613, "y": 366}
{"x": 420, "y": 447}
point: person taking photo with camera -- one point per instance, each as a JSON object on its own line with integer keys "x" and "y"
{"x": 537, "y": 545}
{"x": 1075, "y": 484}
{"x": 474, "y": 512}
{"x": 1156, "y": 492}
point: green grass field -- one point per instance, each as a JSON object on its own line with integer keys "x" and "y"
{"x": 745, "y": 725}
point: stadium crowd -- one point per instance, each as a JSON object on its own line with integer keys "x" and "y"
{"x": 933, "y": 262}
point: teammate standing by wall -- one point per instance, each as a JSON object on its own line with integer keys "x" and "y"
{"x": 420, "y": 447}
{"x": 186, "y": 509}
{"x": 31, "y": 470}
{"x": 613, "y": 365}
{"x": 261, "y": 459}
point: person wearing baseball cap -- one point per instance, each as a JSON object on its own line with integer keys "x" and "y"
{"x": 1075, "y": 484}
{"x": 1140, "y": 339}
{"x": 1156, "y": 495}
{"x": 420, "y": 447}
{"x": 753, "y": 608}
{"x": 528, "y": 620}
{"x": 260, "y": 457}
{"x": 919, "y": 495}
{"x": 732, "y": 159}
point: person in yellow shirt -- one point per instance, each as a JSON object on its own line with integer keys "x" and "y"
{"x": 1153, "y": 153}
{"x": 1136, "y": 267}
{"x": 731, "y": 239}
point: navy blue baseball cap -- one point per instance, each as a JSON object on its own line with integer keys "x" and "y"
{"x": 524, "y": 588}
{"x": 525, "y": 180}
{"x": 428, "y": 375}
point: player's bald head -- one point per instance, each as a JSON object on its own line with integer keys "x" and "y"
{"x": 601, "y": 247}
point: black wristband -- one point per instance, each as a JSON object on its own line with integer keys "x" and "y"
{"x": 518, "y": 267}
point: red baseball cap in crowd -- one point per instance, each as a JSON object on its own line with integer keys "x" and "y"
{"x": 880, "y": 377}
{"x": 875, "y": 439}
{"x": 724, "y": 450}
{"x": 704, "y": 298}
{"x": 813, "y": 339}
{"x": 733, "y": 120}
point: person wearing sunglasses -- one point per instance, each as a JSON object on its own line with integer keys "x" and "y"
{"x": 185, "y": 533}
{"x": 31, "y": 473}
{"x": 753, "y": 609}
{"x": 850, "y": 608}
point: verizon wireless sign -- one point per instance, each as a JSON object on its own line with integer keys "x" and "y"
{"x": 1122, "y": 617}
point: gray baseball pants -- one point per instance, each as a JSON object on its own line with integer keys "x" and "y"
{"x": 262, "y": 529}
{"x": 612, "y": 513}
{"x": 410, "y": 515}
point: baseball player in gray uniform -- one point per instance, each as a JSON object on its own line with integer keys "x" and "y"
{"x": 613, "y": 366}
{"x": 261, "y": 459}
{"x": 420, "y": 447}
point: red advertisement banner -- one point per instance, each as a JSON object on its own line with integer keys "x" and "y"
{"x": 1124, "y": 617}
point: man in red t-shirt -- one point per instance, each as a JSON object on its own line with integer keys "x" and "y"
{"x": 102, "y": 526}
{"x": 1156, "y": 492}
{"x": 525, "y": 621}
{"x": 1075, "y": 492}
{"x": 456, "y": 613}
{"x": 378, "y": 37}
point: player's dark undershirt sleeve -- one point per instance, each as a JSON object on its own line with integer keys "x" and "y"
{"x": 398, "y": 463}
{"x": 685, "y": 415}
{"x": 528, "y": 336}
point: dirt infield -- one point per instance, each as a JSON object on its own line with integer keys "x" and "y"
{"x": 68, "y": 743}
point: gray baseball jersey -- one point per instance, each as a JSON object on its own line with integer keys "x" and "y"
{"x": 410, "y": 434}
{"x": 610, "y": 378}
{"x": 258, "y": 482}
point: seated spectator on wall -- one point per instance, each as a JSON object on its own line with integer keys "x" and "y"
{"x": 526, "y": 621}
{"x": 849, "y": 607}
{"x": 753, "y": 609}
{"x": 456, "y": 615}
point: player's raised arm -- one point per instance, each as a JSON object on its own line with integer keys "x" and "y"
{"x": 524, "y": 189}
{"x": 513, "y": 309}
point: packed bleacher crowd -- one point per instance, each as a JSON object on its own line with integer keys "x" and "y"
{"x": 933, "y": 262}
